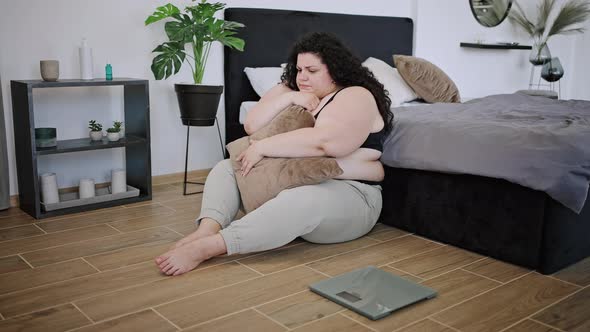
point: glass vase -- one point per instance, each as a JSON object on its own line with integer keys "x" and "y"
{"x": 540, "y": 53}
{"x": 552, "y": 70}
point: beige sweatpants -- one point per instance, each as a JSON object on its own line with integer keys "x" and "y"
{"x": 330, "y": 212}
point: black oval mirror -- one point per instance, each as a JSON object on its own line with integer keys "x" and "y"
{"x": 490, "y": 13}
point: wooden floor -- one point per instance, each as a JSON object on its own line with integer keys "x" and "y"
{"x": 94, "y": 272}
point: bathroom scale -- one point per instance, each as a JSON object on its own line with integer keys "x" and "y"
{"x": 372, "y": 292}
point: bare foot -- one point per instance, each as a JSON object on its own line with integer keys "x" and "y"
{"x": 190, "y": 255}
{"x": 206, "y": 228}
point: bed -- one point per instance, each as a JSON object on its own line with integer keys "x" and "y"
{"x": 488, "y": 215}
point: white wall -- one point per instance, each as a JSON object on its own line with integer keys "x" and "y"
{"x": 580, "y": 71}
{"x": 31, "y": 30}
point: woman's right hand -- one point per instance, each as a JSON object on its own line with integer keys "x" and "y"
{"x": 306, "y": 99}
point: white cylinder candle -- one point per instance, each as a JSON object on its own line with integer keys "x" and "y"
{"x": 118, "y": 181}
{"x": 49, "y": 193}
{"x": 86, "y": 188}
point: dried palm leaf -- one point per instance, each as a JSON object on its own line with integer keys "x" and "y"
{"x": 572, "y": 13}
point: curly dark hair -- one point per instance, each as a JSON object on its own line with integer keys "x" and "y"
{"x": 344, "y": 67}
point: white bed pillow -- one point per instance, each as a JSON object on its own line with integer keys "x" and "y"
{"x": 399, "y": 91}
{"x": 263, "y": 79}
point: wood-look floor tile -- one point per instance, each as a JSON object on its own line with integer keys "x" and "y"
{"x": 10, "y": 212}
{"x": 185, "y": 204}
{"x": 192, "y": 310}
{"x": 55, "y": 239}
{"x": 20, "y": 280}
{"x": 16, "y": 220}
{"x": 165, "y": 188}
{"x": 497, "y": 270}
{"x": 34, "y": 299}
{"x": 132, "y": 255}
{"x": 426, "y": 325}
{"x": 14, "y": 233}
{"x": 248, "y": 320}
{"x": 104, "y": 217}
{"x": 451, "y": 288}
{"x": 571, "y": 314}
{"x": 62, "y": 318}
{"x": 152, "y": 294}
{"x": 528, "y": 325}
{"x": 333, "y": 323}
{"x": 12, "y": 263}
{"x": 146, "y": 320}
{"x": 380, "y": 254}
{"x": 506, "y": 304}
{"x": 298, "y": 309}
{"x": 578, "y": 273}
{"x": 98, "y": 246}
{"x": 165, "y": 196}
{"x": 85, "y": 214}
{"x": 184, "y": 228}
{"x": 153, "y": 221}
{"x": 286, "y": 257}
{"x": 379, "y": 227}
{"x": 400, "y": 273}
{"x": 388, "y": 234}
{"x": 436, "y": 262}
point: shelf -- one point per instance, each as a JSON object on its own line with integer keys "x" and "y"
{"x": 136, "y": 144}
{"x": 496, "y": 46}
{"x": 94, "y": 206}
{"x": 78, "y": 82}
{"x": 85, "y": 144}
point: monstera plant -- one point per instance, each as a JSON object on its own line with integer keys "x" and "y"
{"x": 191, "y": 34}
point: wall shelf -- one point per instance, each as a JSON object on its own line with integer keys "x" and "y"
{"x": 136, "y": 142}
{"x": 496, "y": 46}
{"x": 84, "y": 144}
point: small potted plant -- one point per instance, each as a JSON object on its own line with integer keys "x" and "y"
{"x": 119, "y": 125}
{"x": 199, "y": 28}
{"x": 113, "y": 132}
{"x": 95, "y": 130}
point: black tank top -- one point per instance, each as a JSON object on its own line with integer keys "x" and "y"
{"x": 374, "y": 141}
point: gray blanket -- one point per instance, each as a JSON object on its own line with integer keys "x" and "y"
{"x": 536, "y": 142}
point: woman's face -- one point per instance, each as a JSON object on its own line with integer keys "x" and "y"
{"x": 313, "y": 75}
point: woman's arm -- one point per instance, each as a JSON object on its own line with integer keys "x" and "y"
{"x": 344, "y": 125}
{"x": 274, "y": 101}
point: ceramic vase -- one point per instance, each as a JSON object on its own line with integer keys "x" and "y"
{"x": 49, "y": 70}
{"x": 113, "y": 137}
{"x": 96, "y": 135}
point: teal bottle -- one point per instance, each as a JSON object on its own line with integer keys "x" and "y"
{"x": 108, "y": 72}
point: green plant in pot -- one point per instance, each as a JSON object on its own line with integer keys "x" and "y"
{"x": 95, "y": 130}
{"x": 199, "y": 28}
{"x": 113, "y": 132}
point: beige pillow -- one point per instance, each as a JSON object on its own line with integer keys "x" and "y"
{"x": 427, "y": 80}
{"x": 271, "y": 175}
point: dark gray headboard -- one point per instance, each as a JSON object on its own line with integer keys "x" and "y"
{"x": 270, "y": 33}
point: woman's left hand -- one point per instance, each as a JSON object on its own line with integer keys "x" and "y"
{"x": 250, "y": 157}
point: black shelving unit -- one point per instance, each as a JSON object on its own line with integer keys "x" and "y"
{"x": 136, "y": 142}
{"x": 500, "y": 46}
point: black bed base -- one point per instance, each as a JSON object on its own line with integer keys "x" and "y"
{"x": 489, "y": 216}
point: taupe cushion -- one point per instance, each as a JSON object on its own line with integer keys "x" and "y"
{"x": 427, "y": 80}
{"x": 272, "y": 175}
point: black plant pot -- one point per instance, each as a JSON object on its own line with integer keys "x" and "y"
{"x": 198, "y": 103}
